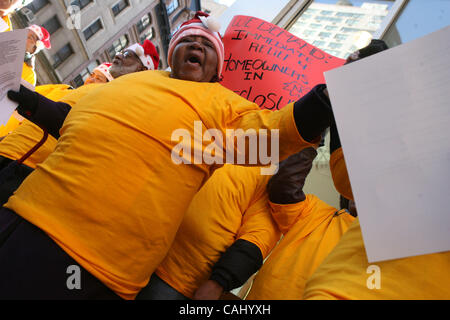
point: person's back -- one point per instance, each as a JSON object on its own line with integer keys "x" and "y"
{"x": 231, "y": 206}
{"x": 310, "y": 227}
{"x": 346, "y": 274}
{"x": 318, "y": 228}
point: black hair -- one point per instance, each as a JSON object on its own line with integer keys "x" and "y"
{"x": 375, "y": 46}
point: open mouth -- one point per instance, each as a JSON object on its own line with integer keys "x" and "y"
{"x": 194, "y": 60}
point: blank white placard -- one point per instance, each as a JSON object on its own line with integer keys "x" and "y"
{"x": 393, "y": 116}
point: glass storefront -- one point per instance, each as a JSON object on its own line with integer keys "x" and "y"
{"x": 340, "y": 27}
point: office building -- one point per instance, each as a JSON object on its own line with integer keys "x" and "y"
{"x": 85, "y": 33}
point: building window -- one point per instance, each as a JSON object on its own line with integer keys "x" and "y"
{"x": 84, "y": 74}
{"x": 78, "y": 81}
{"x": 81, "y": 3}
{"x": 62, "y": 55}
{"x": 328, "y": 19}
{"x": 344, "y": 14}
{"x": 172, "y": 6}
{"x": 37, "y": 5}
{"x": 351, "y": 22}
{"x": 144, "y": 23}
{"x": 52, "y": 25}
{"x": 344, "y": 17}
{"x": 333, "y": 52}
{"x": 119, "y": 7}
{"x": 147, "y": 35}
{"x": 318, "y": 43}
{"x": 324, "y": 34}
{"x": 341, "y": 36}
{"x": 334, "y": 45}
{"x": 118, "y": 46}
{"x": 93, "y": 29}
{"x": 331, "y": 28}
{"x": 349, "y": 30}
{"x": 308, "y": 32}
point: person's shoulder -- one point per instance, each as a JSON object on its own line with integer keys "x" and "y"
{"x": 315, "y": 201}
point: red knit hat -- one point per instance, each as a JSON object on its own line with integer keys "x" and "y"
{"x": 202, "y": 25}
{"x": 43, "y": 36}
{"x": 104, "y": 69}
{"x": 147, "y": 53}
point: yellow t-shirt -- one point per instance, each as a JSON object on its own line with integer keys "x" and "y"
{"x": 232, "y": 205}
{"x": 339, "y": 174}
{"x": 28, "y": 74}
{"x": 16, "y": 144}
{"x": 8, "y": 22}
{"x": 113, "y": 196}
{"x": 311, "y": 229}
{"x": 11, "y": 125}
{"x": 344, "y": 274}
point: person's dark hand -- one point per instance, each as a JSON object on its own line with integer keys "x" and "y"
{"x": 27, "y": 99}
{"x": 210, "y": 290}
{"x": 286, "y": 186}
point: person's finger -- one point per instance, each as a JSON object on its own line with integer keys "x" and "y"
{"x": 14, "y": 96}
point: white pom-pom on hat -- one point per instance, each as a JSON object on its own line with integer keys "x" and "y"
{"x": 210, "y": 23}
{"x": 39, "y": 45}
{"x": 139, "y": 51}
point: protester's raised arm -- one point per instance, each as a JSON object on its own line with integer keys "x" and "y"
{"x": 313, "y": 113}
{"x": 46, "y": 113}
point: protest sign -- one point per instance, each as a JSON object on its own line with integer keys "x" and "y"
{"x": 392, "y": 114}
{"x": 269, "y": 66}
{"x": 12, "y": 51}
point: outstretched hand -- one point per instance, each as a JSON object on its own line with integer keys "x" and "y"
{"x": 286, "y": 186}
{"x": 27, "y": 99}
{"x": 210, "y": 290}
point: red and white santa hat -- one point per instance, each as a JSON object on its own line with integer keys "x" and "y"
{"x": 43, "y": 36}
{"x": 201, "y": 25}
{"x": 104, "y": 69}
{"x": 147, "y": 53}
